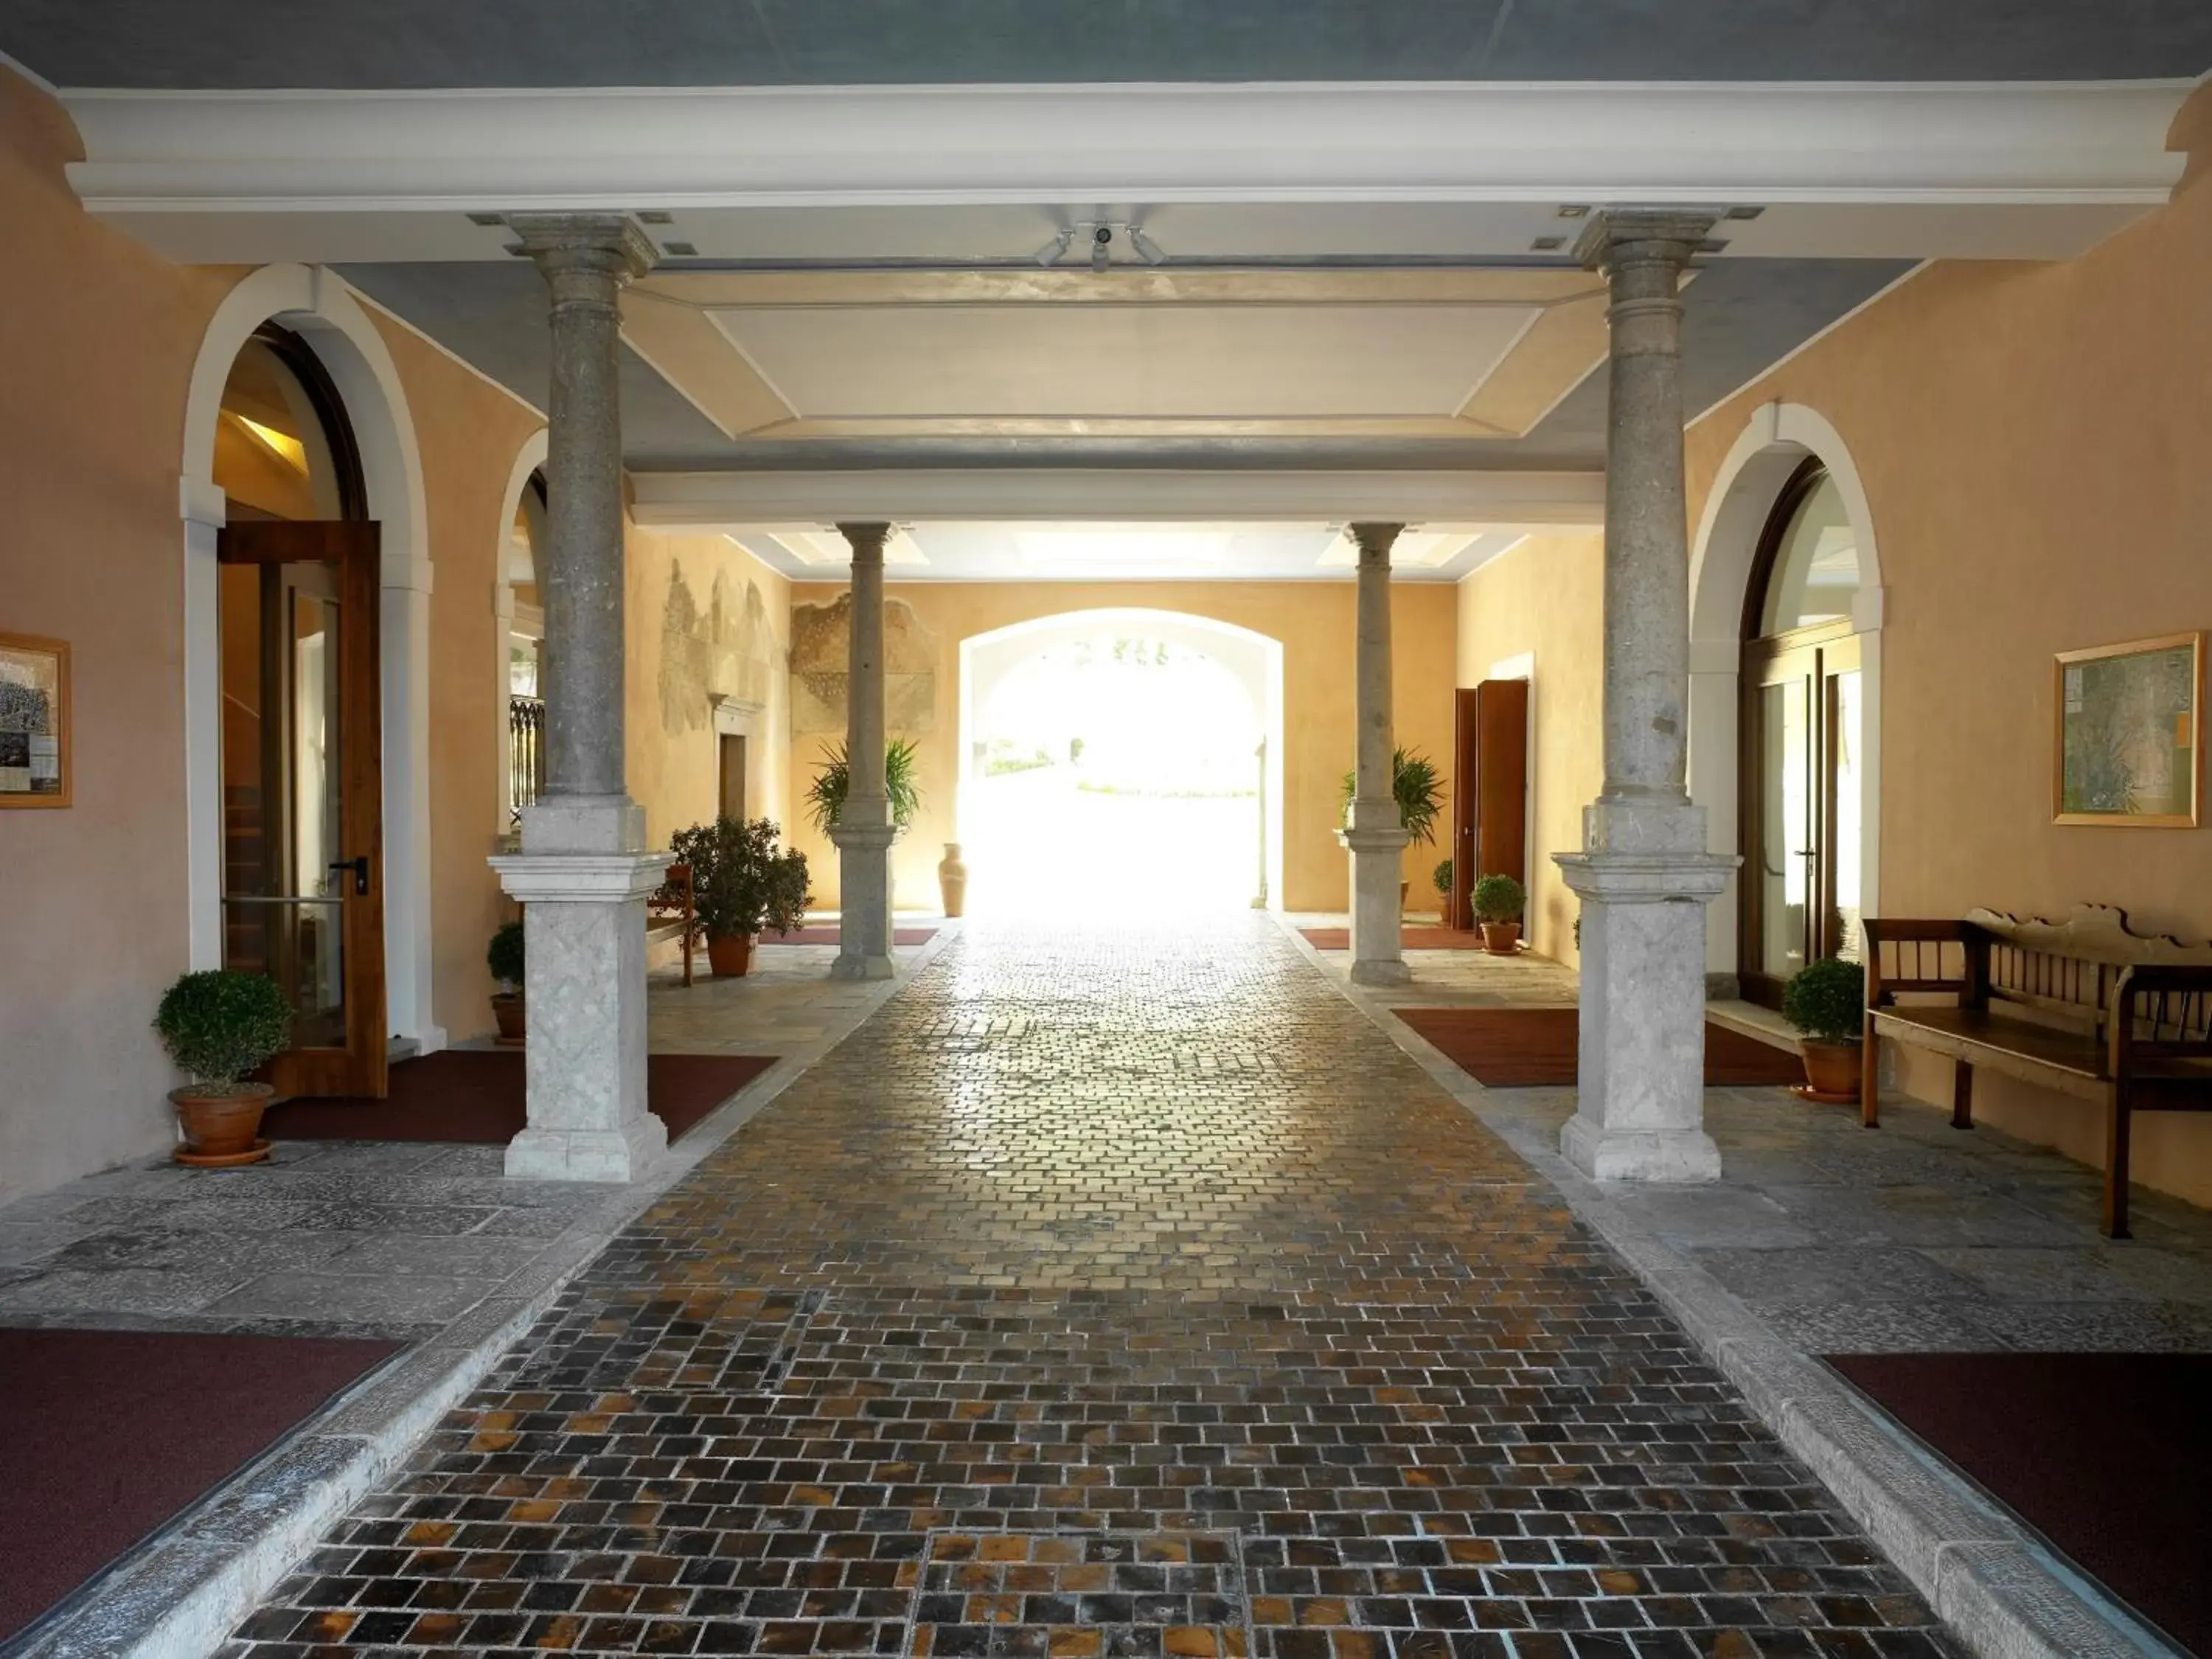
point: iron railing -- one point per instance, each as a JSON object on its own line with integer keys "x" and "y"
{"x": 525, "y": 753}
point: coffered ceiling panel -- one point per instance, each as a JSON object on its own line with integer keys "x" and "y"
{"x": 1137, "y": 363}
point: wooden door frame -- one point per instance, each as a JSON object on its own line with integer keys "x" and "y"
{"x": 1812, "y": 650}
{"x": 354, "y": 549}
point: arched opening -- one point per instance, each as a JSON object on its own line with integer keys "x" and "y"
{"x": 1119, "y": 760}
{"x": 296, "y": 427}
{"x": 524, "y": 664}
{"x": 1786, "y": 610}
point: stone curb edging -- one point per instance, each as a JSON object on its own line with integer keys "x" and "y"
{"x": 1998, "y": 1587}
{"x": 178, "y": 1594}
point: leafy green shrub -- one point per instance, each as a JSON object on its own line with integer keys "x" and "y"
{"x": 1499, "y": 898}
{"x": 740, "y": 883}
{"x": 219, "y": 1024}
{"x": 1418, "y": 789}
{"x": 1441, "y": 878}
{"x": 504, "y": 958}
{"x": 1826, "y": 1000}
{"x": 833, "y": 781}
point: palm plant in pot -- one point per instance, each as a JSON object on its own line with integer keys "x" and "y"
{"x": 1825, "y": 1002}
{"x": 1418, "y": 789}
{"x": 505, "y": 959}
{"x": 833, "y": 781}
{"x": 218, "y": 1026}
{"x": 1499, "y": 903}
{"x": 740, "y": 884}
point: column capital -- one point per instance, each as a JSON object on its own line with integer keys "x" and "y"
{"x": 866, "y": 540}
{"x": 1374, "y": 541}
{"x": 1630, "y": 236}
{"x": 605, "y": 245}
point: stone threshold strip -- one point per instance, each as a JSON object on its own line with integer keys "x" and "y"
{"x": 1997, "y": 1586}
{"x": 180, "y": 1595}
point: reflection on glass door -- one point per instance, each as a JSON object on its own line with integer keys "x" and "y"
{"x": 1785, "y": 818}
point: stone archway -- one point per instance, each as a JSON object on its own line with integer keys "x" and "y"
{"x": 1775, "y": 442}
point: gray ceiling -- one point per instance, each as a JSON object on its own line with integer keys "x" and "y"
{"x": 1739, "y": 317}
{"x": 521, "y": 43}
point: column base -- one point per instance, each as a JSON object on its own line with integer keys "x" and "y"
{"x": 1383, "y": 971}
{"x": 1640, "y": 1094}
{"x": 1377, "y": 859}
{"x": 863, "y": 896}
{"x": 1662, "y": 1155}
{"x": 622, "y": 1154}
{"x": 860, "y": 966}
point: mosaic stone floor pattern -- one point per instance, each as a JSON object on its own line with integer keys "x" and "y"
{"x": 1108, "y": 1294}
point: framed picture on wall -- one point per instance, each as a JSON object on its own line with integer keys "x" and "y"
{"x": 34, "y": 721}
{"x": 2130, "y": 735}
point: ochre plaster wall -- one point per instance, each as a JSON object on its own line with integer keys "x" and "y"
{"x": 2033, "y": 440}
{"x": 678, "y": 654}
{"x": 470, "y": 432}
{"x": 1546, "y": 598}
{"x": 98, "y": 337}
{"x": 1313, "y": 620}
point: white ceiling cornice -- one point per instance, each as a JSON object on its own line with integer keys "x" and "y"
{"x": 719, "y": 501}
{"x": 494, "y": 151}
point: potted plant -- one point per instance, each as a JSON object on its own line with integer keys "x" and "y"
{"x": 504, "y": 958}
{"x": 218, "y": 1026}
{"x": 1499, "y": 903}
{"x": 1441, "y": 880}
{"x": 740, "y": 884}
{"x": 1825, "y": 1002}
{"x": 1418, "y": 788}
{"x": 833, "y": 781}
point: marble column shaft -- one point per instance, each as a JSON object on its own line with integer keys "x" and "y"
{"x": 865, "y": 831}
{"x": 584, "y": 873}
{"x": 1643, "y": 875}
{"x": 1375, "y": 834}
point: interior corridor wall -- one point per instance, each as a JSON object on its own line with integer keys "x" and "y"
{"x": 1545, "y": 599}
{"x": 705, "y": 622}
{"x": 2035, "y": 442}
{"x": 1313, "y": 621}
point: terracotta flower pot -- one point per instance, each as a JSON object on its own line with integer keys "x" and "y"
{"x": 1832, "y": 1070}
{"x": 730, "y": 955}
{"x": 1501, "y": 938}
{"x": 221, "y": 1121}
{"x": 506, "y": 1010}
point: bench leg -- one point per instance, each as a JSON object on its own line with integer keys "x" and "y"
{"x": 2116, "y": 1117}
{"x": 1962, "y": 1096}
{"x": 1869, "y": 1078}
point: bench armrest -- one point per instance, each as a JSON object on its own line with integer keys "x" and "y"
{"x": 1918, "y": 956}
{"x": 2160, "y": 1010}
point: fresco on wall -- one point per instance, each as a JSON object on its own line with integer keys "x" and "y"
{"x": 723, "y": 650}
{"x": 820, "y": 643}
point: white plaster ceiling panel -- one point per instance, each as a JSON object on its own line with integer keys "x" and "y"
{"x": 1191, "y": 362}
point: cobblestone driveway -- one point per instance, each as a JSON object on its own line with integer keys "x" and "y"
{"x": 1109, "y": 1293}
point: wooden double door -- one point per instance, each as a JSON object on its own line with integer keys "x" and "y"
{"x": 1803, "y": 726}
{"x": 303, "y": 841}
{"x": 1490, "y": 790}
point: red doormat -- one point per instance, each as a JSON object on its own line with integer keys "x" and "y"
{"x": 835, "y": 936}
{"x": 1409, "y": 939}
{"x": 475, "y": 1095}
{"x": 2108, "y": 1455}
{"x": 112, "y": 1433}
{"x": 1534, "y": 1048}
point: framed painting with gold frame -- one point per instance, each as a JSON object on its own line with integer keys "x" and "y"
{"x": 2130, "y": 743}
{"x": 34, "y": 721}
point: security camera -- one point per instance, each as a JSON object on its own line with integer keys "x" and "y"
{"x": 1103, "y": 234}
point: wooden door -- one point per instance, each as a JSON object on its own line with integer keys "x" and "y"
{"x": 303, "y": 863}
{"x": 1490, "y": 789}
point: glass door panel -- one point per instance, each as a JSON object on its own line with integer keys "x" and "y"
{"x": 1846, "y": 784}
{"x": 1785, "y": 818}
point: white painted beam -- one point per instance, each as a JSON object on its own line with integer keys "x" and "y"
{"x": 1494, "y": 499}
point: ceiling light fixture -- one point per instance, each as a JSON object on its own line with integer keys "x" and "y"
{"x": 1098, "y": 236}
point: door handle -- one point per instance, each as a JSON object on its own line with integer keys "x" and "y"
{"x": 359, "y": 868}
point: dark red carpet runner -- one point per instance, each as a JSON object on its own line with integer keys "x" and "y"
{"x": 2108, "y": 1455}
{"x": 475, "y": 1095}
{"x": 1534, "y": 1048}
{"x": 110, "y": 1433}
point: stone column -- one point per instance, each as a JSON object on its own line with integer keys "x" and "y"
{"x": 864, "y": 831}
{"x": 584, "y": 872}
{"x": 1376, "y": 834}
{"x": 1643, "y": 874}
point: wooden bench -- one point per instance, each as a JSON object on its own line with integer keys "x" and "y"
{"x": 2083, "y": 1006}
{"x": 670, "y": 903}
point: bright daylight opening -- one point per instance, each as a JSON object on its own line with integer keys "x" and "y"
{"x": 1121, "y": 763}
